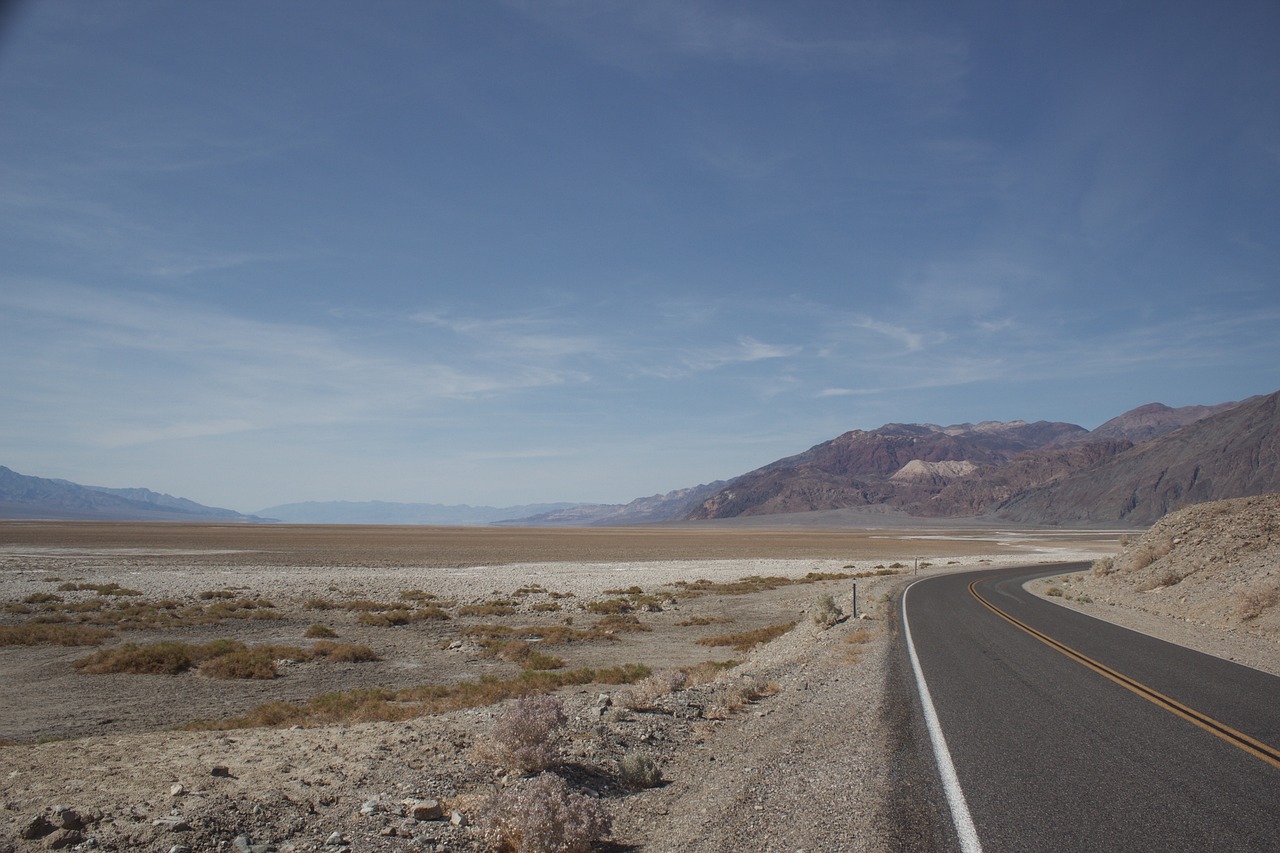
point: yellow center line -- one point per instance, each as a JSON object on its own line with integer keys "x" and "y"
{"x": 1256, "y": 748}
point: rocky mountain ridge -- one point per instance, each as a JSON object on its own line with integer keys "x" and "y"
{"x": 26, "y": 497}
{"x": 1035, "y": 473}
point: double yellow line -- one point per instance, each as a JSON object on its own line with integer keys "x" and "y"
{"x": 1256, "y": 748}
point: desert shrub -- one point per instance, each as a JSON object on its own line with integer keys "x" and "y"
{"x": 432, "y": 611}
{"x": 704, "y": 620}
{"x": 166, "y": 658}
{"x": 746, "y": 640}
{"x": 486, "y": 610}
{"x": 257, "y": 664}
{"x": 52, "y": 635}
{"x": 319, "y": 604}
{"x": 363, "y": 704}
{"x": 610, "y": 606}
{"x": 545, "y": 633}
{"x": 319, "y": 631}
{"x": 344, "y": 652}
{"x": 1251, "y": 603}
{"x": 707, "y": 671}
{"x": 621, "y": 623}
{"x": 824, "y": 612}
{"x": 1168, "y": 577}
{"x": 386, "y": 618}
{"x": 858, "y": 637}
{"x": 541, "y": 660}
{"x": 99, "y": 588}
{"x": 1103, "y": 566}
{"x": 217, "y": 593}
{"x": 543, "y": 815}
{"x": 631, "y": 590}
{"x": 638, "y": 770}
{"x": 41, "y": 598}
{"x": 526, "y": 736}
{"x": 738, "y": 694}
{"x": 417, "y": 595}
{"x": 642, "y": 695}
{"x": 545, "y": 607}
{"x": 1054, "y": 591}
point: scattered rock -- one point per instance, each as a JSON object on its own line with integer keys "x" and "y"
{"x": 172, "y": 823}
{"x": 426, "y": 810}
{"x": 221, "y": 771}
{"x": 63, "y": 838}
{"x": 36, "y": 827}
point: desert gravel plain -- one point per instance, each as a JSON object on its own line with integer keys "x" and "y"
{"x": 783, "y": 751}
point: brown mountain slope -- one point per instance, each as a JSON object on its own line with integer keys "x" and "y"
{"x": 858, "y": 468}
{"x": 1156, "y": 419}
{"x": 1230, "y": 455}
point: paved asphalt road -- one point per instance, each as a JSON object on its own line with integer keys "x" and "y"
{"x": 1050, "y": 755}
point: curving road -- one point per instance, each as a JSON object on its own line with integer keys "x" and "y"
{"x": 1110, "y": 741}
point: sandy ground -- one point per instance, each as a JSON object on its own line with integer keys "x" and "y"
{"x": 801, "y": 766}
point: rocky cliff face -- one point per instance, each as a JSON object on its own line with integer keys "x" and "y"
{"x": 926, "y": 469}
{"x": 1229, "y": 455}
{"x": 1130, "y": 471}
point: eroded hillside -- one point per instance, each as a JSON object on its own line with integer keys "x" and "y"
{"x": 1216, "y": 563}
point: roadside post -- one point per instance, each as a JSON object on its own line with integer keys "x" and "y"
{"x": 855, "y": 599}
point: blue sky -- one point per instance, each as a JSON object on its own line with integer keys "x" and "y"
{"x": 509, "y": 252}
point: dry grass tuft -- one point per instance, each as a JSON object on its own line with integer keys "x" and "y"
{"x": 52, "y": 635}
{"x": 365, "y": 705}
{"x": 746, "y": 640}
{"x": 1252, "y": 603}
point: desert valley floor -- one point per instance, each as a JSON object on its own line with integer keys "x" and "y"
{"x": 434, "y": 610}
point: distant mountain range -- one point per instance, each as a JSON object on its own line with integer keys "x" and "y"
{"x": 24, "y": 497}
{"x": 383, "y": 512}
{"x": 1131, "y": 470}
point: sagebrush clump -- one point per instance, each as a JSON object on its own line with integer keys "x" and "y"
{"x": 642, "y": 695}
{"x": 638, "y": 770}
{"x": 527, "y": 735}
{"x": 825, "y": 612}
{"x": 543, "y": 815}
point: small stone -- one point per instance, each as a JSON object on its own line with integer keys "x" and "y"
{"x": 220, "y": 770}
{"x": 371, "y": 807}
{"x": 67, "y": 818}
{"x": 173, "y": 823}
{"x": 458, "y": 819}
{"x": 335, "y": 839}
{"x": 177, "y": 789}
{"x": 179, "y": 848}
{"x": 426, "y": 810}
{"x": 37, "y": 827}
{"x": 63, "y": 838}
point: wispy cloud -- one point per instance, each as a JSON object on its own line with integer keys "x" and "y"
{"x": 146, "y": 368}
{"x": 746, "y": 350}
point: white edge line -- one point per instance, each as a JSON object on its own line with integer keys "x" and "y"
{"x": 960, "y": 816}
